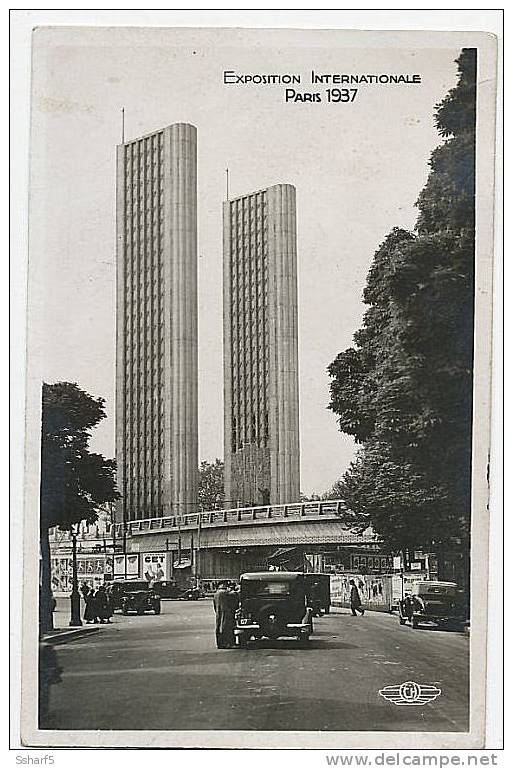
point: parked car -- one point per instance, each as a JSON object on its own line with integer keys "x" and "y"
{"x": 167, "y": 589}
{"x": 273, "y": 605}
{"x": 432, "y": 602}
{"x": 193, "y": 594}
{"x": 318, "y": 591}
{"x": 134, "y": 595}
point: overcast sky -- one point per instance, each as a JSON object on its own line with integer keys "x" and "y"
{"x": 357, "y": 168}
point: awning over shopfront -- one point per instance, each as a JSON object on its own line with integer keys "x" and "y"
{"x": 185, "y": 563}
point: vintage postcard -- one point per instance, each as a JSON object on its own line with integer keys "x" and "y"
{"x": 258, "y": 388}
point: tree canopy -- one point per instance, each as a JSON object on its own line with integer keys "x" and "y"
{"x": 404, "y": 390}
{"x": 74, "y": 481}
{"x": 211, "y": 485}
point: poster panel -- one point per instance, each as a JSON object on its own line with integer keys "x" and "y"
{"x": 155, "y": 566}
{"x": 375, "y": 590}
{"x": 132, "y": 565}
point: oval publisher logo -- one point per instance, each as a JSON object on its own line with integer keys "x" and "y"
{"x": 410, "y": 693}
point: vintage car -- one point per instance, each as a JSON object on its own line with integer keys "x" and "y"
{"x": 273, "y": 604}
{"x": 432, "y": 602}
{"x": 318, "y": 591}
{"x": 167, "y": 588}
{"x": 134, "y": 595}
{"x": 192, "y": 594}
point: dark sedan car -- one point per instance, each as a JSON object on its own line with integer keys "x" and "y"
{"x": 434, "y": 603}
{"x": 193, "y": 594}
{"x": 273, "y": 605}
{"x": 135, "y": 596}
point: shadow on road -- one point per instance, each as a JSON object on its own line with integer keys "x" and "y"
{"x": 436, "y": 629}
{"x": 49, "y": 673}
{"x": 285, "y": 644}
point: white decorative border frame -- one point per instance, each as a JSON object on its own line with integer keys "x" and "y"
{"x": 486, "y": 237}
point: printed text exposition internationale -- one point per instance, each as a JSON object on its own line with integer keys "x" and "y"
{"x": 230, "y": 77}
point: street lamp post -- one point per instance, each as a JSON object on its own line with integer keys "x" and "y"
{"x": 75, "y": 620}
{"x": 124, "y": 533}
{"x": 198, "y": 552}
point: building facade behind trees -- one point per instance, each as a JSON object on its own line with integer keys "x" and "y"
{"x": 261, "y": 401}
{"x": 157, "y": 337}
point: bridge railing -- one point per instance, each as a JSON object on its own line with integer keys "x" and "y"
{"x": 235, "y": 516}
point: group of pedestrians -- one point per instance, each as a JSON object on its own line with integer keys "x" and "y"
{"x": 226, "y": 603}
{"x": 99, "y": 606}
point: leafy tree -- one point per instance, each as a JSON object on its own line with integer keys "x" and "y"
{"x": 211, "y": 485}
{"x": 404, "y": 390}
{"x": 74, "y": 481}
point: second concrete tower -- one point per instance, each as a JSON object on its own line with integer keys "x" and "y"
{"x": 261, "y": 401}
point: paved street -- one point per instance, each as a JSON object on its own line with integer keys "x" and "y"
{"x": 165, "y": 673}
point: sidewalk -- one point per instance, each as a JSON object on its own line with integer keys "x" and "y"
{"x": 62, "y": 632}
{"x": 63, "y": 635}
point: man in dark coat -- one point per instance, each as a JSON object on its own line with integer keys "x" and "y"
{"x": 225, "y": 606}
{"x": 355, "y": 601}
{"x": 103, "y": 605}
{"x": 91, "y": 608}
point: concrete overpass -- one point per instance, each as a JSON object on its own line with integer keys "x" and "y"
{"x": 245, "y": 538}
{"x": 299, "y": 523}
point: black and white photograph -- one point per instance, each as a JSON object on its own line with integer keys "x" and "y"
{"x": 259, "y": 329}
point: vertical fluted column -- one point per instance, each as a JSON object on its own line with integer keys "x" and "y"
{"x": 180, "y": 302}
{"x": 227, "y": 353}
{"x": 273, "y": 325}
{"x": 120, "y": 323}
{"x": 284, "y": 390}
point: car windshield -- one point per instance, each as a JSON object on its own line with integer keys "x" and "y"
{"x": 436, "y": 590}
{"x": 254, "y": 588}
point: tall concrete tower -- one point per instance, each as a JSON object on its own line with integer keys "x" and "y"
{"x": 157, "y": 328}
{"x": 261, "y": 401}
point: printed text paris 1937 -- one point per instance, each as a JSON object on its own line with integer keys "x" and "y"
{"x": 330, "y": 95}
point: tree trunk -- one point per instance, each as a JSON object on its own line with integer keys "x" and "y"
{"x": 45, "y": 587}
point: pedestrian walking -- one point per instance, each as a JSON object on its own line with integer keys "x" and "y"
{"x": 225, "y": 607}
{"x": 355, "y": 601}
{"x": 91, "y": 607}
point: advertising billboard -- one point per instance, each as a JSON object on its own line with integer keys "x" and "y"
{"x": 155, "y": 566}
{"x": 91, "y": 570}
